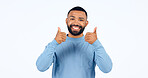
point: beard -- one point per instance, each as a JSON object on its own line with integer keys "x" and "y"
{"x": 75, "y": 33}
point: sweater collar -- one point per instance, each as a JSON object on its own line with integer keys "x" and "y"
{"x": 75, "y": 39}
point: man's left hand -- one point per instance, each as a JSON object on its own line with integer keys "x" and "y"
{"x": 91, "y": 37}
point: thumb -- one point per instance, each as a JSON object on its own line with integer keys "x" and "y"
{"x": 59, "y": 29}
{"x": 95, "y": 29}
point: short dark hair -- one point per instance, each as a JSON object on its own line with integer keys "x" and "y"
{"x": 78, "y": 8}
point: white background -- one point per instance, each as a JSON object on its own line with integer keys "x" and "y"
{"x": 27, "y": 26}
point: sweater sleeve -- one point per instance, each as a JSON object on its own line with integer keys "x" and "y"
{"x": 45, "y": 60}
{"x": 101, "y": 58}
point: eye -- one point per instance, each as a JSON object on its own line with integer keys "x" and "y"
{"x": 71, "y": 19}
{"x": 81, "y": 20}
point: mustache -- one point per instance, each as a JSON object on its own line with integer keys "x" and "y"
{"x": 75, "y": 25}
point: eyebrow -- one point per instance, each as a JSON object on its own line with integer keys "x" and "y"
{"x": 72, "y": 16}
{"x": 81, "y": 17}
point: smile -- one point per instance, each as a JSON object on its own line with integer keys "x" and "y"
{"x": 76, "y": 28}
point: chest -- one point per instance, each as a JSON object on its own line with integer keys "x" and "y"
{"x": 77, "y": 52}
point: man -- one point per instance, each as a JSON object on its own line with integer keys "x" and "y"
{"x": 75, "y": 55}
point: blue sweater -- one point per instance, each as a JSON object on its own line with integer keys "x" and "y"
{"x": 74, "y": 58}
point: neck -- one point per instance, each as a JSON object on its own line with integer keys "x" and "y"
{"x": 78, "y": 36}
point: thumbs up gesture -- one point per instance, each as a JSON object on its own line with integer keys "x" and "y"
{"x": 60, "y": 36}
{"x": 91, "y": 37}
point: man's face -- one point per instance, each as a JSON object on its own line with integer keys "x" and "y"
{"x": 76, "y": 22}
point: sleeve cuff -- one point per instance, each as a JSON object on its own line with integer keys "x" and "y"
{"x": 96, "y": 43}
{"x": 54, "y": 42}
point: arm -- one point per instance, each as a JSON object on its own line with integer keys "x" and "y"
{"x": 45, "y": 60}
{"x": 102, "y": 59}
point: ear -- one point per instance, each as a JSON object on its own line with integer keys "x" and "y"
{"x": 86, "y": 23}
{"x": 66, "y": 20}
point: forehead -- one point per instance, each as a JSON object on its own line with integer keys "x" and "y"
{"x": 76, "y": 13}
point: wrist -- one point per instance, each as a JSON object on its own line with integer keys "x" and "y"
{"x": 96, "y": 43}
{"x": 54, "y": 42}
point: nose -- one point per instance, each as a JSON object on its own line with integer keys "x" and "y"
{"x": 76, "y": 22}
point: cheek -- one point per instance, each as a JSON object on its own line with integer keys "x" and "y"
{"x": 83, "y": 24}
{"x": 68, "y": 23}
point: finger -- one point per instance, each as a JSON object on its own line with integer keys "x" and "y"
{"x": 95, "y": 29}
{"x": 63, "y": 33}
{"x": 59, "y": 29}
{"x": 64, "y": 40}
{"x": 87, "y": 38}
{"x": 88, "y": 33}
{"x": 63, "y": 37}
{"x": 60, "y": 41}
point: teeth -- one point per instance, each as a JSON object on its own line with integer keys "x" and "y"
{"x": 75, "y": 27}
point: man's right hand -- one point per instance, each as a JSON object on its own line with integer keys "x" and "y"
{"x": 60, "y": 36}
